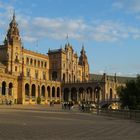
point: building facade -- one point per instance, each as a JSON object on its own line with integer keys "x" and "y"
{"x": 27, "y": 76}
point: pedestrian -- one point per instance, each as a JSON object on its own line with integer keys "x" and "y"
{"x": 65, "y": 105}
{"x": 82, "y": 107}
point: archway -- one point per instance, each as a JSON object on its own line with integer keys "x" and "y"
{"x": 33, "y": 92}
{"x": 81, "y": 94}
{"x": 89, "y": 94}
{"x": 27, "y": 89}
{"x": 66, "y": 95}
{"x": 63, "y": 77}
{"x": 38, "y": 91}
{"x": 48, "y": 91}
{"x": 58, "y": 92}
{"x": 10, "y": 89}
{"x": 74, "y": 94}
{"x": 43, "y": 91}
{"x": 53, "y": 92}
{"x": 111, "y": 94}
{"x": 4, "y": 88}
{"x": 97, "y": 91}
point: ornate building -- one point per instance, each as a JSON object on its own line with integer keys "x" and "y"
{"x": 29, "y": 77}
{"x": 26, "y": 76}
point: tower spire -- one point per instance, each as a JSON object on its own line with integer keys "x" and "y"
{"x": 13, "y": 31}
{"x": 67, "y": 39}
{"x": 14, "y": 15}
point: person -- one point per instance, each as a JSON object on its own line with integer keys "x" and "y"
{"x": 62, "y": 105}
{"x": 10, "y": 102}
{"x": 69, "y": 105}
{"x": 72, "y": 104}
{"x": 65, "y": 105}
{"x": 82, "y": 107}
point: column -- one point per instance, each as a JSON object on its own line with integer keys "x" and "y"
{"x": 77, "y": 96}
{"x": 6, "y": 91}
{"x": 0, "y": 90}
{"x": 85, "y": 95}
{"x": 55, "y": 93}
{"x": 36, "y": 93}
{"x": 50, "y": 93}
{"x": 30, "y": 97}
{"x": 69, "y": 95}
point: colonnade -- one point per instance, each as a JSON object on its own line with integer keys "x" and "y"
{"x": 46, "y": 93}
{"x": 6, "y": 89}
{"x": 81, "y": 94}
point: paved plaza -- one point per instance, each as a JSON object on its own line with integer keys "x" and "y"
{"x": 53, "y": 123}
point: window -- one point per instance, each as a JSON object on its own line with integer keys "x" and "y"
{"x": 45, "y": 64}
{"x": 31, "y": 61}
{"x": 36, "y": 74}
{"x": 38, "y": 63}
{"x": 79, "y": 72}
{"x": 34, "y": 62}
{"x": 27, "y": 61}
{"x": 28, "y": 72}
{"x": 54, "y": 75}
{"x": 15, "y": 68}
{"x": 16, "y": 57}
{"x": 44, "y": 75}
{"x": 63, "y": 65}
{"x": 42, "y": 64}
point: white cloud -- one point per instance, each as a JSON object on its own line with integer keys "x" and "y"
{"x": 35, "y": 28}
{"x": 128, "y": 5}
{"x": 58, "y": 28}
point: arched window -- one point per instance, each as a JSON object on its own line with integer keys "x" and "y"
{"x": 33, "y": 92}
{"x": 10, "y": 89}
{"x": 111, "y": 93}
{"x": 35, "y": 63}
{"x": 38, "y": 63}
{"x": 31, "y": 61}
{"x": 48, "y": 90}
{"x": 42, "y": 64}
{"x": 4, "y": 88}
{"x": 58, "y": 92}
{"x": 53, "y": 91}
{"x": 63, "y": 77}
{"x": 45, "y": 64}
{"x": 43, "y": 91}
{"x": 27, "y": 89}
{"x": 27, "y": 61}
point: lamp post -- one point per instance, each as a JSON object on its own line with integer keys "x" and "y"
{"x": 97, "y": 90}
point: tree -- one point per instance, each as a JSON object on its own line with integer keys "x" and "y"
{"x": 130, "y": 94}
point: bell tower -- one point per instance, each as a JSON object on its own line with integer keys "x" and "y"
{"x": 14, "y": 48}
{"x": 13, "y": 32}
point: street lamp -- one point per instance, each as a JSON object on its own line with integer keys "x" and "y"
{"x": 97, "y": 91}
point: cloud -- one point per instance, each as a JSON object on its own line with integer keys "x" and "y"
{"x": 132, "y": 6}
{"x": 58, "y": 28}
{"x": 35, "y": 28}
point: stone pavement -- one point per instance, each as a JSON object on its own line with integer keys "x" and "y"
{"x": 41, "y": 123}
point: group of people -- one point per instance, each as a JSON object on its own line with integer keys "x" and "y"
{"x": 67, "y": 105}
{"x": 7, "y": 102}
{"x": 87, "y": 106}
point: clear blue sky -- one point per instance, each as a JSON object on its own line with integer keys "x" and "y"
{"x": 109, "y": 29}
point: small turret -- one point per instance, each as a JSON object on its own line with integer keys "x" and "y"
{"x": 83, "y": 57}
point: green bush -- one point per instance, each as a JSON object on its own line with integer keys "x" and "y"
{"x": 38, "y": 100}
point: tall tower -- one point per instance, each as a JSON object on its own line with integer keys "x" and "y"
{"x": 84, "y": 63}
{"x": 14, "y": 48}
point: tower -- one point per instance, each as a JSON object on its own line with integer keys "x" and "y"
{"x": 84, "y": 63}
{"x": 14, "y": 48}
